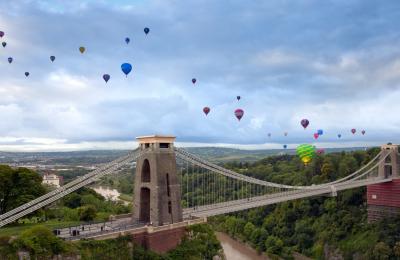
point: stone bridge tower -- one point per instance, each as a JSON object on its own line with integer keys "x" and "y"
{"x": 384, "y": 198}
{"x": 157, "y": 188}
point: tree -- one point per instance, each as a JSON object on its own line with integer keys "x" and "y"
{"x": 87, "y": 213}
{"x": 248, "y": 230}
{"x": 18, "y": 186}
{"x": 396, "y": 249}
{"x": 40, "y": 241}
{"x": 381, "y": 251}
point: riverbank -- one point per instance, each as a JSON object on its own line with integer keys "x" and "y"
{"x": 235, "y": 250}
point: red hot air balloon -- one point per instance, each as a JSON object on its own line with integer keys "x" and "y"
{"x": 305, "y": 123}
{"x": 363, "y": 132}
{"x": 239, "y": 113}
{"x": 194, "y": 80}
{"x": 206, "y": 110}
{"x": 316, "y": 135}
{"x": 353, "y": 131}
{"x": 320, "y": 151}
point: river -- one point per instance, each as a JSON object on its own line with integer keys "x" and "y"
{"x": 235, "y": 250}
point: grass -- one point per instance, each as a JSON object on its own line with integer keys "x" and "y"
{"x": 52, "y": 224}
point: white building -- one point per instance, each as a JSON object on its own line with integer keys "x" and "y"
{"x": 52, "y": 179}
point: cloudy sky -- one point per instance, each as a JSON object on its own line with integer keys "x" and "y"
{"x": 336, "y": 63}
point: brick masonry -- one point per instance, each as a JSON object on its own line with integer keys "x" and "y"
{"x": 162, "y": 241}
{"x": 383, "y": 200}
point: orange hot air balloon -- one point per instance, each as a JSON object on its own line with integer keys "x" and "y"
{"x": 82, "y": 49}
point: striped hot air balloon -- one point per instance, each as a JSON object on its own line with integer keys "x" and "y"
{"x": 306, "y": 152}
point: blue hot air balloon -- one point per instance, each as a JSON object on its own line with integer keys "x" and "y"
{"x": 339, "y": 135}
{"x": 26, "y": 74}
{"x": 127, "y": 40}
{"x": 4, "y": 44}
{"x": 52, "y": 58}
{"x": 284, "y": 146}
{"x": 106, "y": 77}
{"x": 126, "y": 68}
{"x": 10, "y": 59}
{"x": 146, "y": 30}
{"x": 320, "y": 132}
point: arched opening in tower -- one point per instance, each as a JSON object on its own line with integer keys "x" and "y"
{"x": 146, "y": 171}
{"x": 144, "y": 205}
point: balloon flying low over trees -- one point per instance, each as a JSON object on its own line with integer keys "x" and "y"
{"x": 306, "y": 152}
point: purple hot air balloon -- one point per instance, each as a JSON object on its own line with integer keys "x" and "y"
{"x": 194, "y": 81}
{"x": 10, "y": 60}
{"x": 363, "y": 132}
{"x": 1, "y": 34}
{"x": 206, "y": 110}
{"x": 52, "y": 58}
{"x": 305, "y": 123}
{"x": 26, "y": 74}
{"x": 239, "y": 113}
{"x": 353, "y": 131}
{"x": 4, "y": 44}
{"x": 106, "y": 77}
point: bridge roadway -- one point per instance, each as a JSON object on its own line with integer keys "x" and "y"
{"x": 254, "y": 202}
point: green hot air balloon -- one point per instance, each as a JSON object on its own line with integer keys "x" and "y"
{"x": 306, "y": 152}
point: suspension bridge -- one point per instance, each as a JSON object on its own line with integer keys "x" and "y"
{"x": 173, "y": 186}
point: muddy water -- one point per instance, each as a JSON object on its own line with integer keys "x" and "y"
{"x": 235, "y": 250}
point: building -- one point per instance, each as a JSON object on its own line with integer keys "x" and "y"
{"x": 52, "y": 179}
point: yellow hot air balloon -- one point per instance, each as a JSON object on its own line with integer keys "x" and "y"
{"x": 82, "y": 49}
{"x": 306, "y": 152}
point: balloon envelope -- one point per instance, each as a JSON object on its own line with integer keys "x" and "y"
{"x": 238, "y": 98}
{"x": 306, "y": 152}
{"x": 4, "y": 44}
{"x": 194, "y": 80}
{"x": 239, "y": 113}
{"x": 10, "y": 60}
{"x": 320, "y": 132}
{"x": 305, "y": 123}
{"x": 127, "y": 40}
{"x": 146, "y": 30}
{"x": 269, "y": 134}
{"x": 82, "y": 49}
{"x": 126, "y": 68}
{"x": 353, "y": 131}
{"x": 26, "y": 74}
{"x": 316, "y": 135}
{"x": 52, "y": 58}
{"x": 106, "y": 77}
{"x": 206, "y": 110}
{"x": 363, "y": 132}
{"x": 320, "y": 151}
{"x": 1, "y": 34}
{"x": 339, "y": 135}
{"x": 284, "y": 146}
{"x": 285, "y": 133}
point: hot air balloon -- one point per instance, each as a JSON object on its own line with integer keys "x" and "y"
{"x": 316, "y": 135}
{"x": 304, "y": 123}
{"x": 363, "y": 132}
{"x": 82, "y": 49}
{"x": 269, "y": 134}
{"x": 206, "y": 110}
{"x": 239, "y": 113}
{"x": 4, "y": 44}
{"x": 1, "y": 34}
{"x": 126, "y": 68}
{"x": 238, "y": 98}
{"x": 146, "y": 30}
{"x": 10, "y": 59}
{"x": 52, "y": 58}
{"x": 306, "y": 152}
{"x": 285, "y": 133}
{"x": 353, "y": 131}
{"x": 320, "y": 132}
{"x": 194, "y": 80}
{"x": 284, "y": 146}
{"x": 127, "y": 40}
{"x": 339, "y": 135}
{"x": 26, "y": 74}
{"x": 106, "y": 77}
{"x": 320, "y": 151}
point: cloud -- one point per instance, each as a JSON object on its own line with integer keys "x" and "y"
{"x": 334, "y": 62}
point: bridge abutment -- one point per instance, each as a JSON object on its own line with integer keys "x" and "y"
{"x": 384, "y": 199}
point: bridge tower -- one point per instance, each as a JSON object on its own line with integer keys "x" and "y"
{"x": 384, "y": 199}
{"x": 157, "y": 188}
